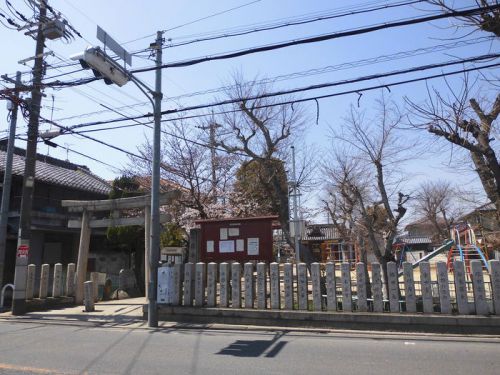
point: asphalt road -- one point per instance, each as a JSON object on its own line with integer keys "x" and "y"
{"x": 40, "y": 348}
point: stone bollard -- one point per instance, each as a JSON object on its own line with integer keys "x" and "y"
{"x": 274, "y": 271}
{"x": 331, "y": 290}
{"x": 70, "y": 280}
{"x": 495, "y": 284}
{"x": 378, "y": 294}
{"x": 361, "y": 287}
{"x": 302, "y": 287}
{"x": 224, "y": 284}
{"x": 177, "y": 292}
{"x": 478, "y": 287}
{"x": 236, "y": 285}
{"x": 88, "y": 296}
{"x": 316, "y": 286}
{"x": 199, "y": 284}
{"x": 188, "y": 284}
{"x": 261, "y": 286}
{"x": 393, "y": 281}
{"x": 212, "y": 284}
{"x": 444, "y": 287}
{"x": 410, "y": 297}
{"x": 345, "y": 276}
{"x": 94, "y": 277}
{"x": 44, "y": 281}
{"x": 288, "y": 286}
{"x": 426, "y": 287}
{"x": 249, "y": 285}
{"x": 460, "y": 287}
{"x": 57, "y": 281}
{"x": 30, "y": 281}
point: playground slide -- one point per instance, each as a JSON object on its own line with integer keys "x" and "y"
{"x": 429, "y": 256}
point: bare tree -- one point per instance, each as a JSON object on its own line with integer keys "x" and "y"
{"x": 488, "y": 21}
{"x": 462, "y": 121}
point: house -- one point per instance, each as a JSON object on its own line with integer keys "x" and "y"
{"x": 55, "y": 180}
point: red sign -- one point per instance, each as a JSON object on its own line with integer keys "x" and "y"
{"x": 23, "y": 251}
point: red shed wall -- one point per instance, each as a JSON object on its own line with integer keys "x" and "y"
{"x": 224, "y": 235}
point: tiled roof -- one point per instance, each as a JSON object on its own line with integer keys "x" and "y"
{"x": 320, "y": 232}
{"x": 414, "y": 240}
{"x": 58, "y": 172}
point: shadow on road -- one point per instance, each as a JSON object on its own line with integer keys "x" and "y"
{"x": 255, "y": 348}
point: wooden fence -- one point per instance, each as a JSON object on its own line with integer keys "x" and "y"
{"x": 334, "y": 287}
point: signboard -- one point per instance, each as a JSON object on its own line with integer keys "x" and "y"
{"x": 23, "y": 251}
{"x": 165, "y": 285}
{"x": 114, "y": 46}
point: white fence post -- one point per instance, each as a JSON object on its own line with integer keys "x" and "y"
{"x": 444, "y": 288}
{"x": 236, "y": 285}
{"x": 460, "y": 287}
{"x": 199, "y": 284}
{"x": 30, "y": 281}
{"x": 212, "y": 284}
{"x": 361, "y": 287}
{"x": 288, "y": 280}
{"x": 331, "y": 292}
{"x": 44, "y": 281}
{"x": 426, "y": 287}
{"x": 378, "y": 295}
{"x": 261, "y": 286}
{"x": 392, "y": 279}
{"x": 274, "y": 272}
{"x": 495, "y": 284}
{"x": 188, "y": 284}
{"x": 410, "y": 298}
{"x": 316, "y": 286}
{"x": 57, "y": 281}
{"x": 249, "y": 285}
{"x": 302, "y": 286}
{"x": 224, "y": 284}
{"x": 478, "y": 287}
{"x": 345, "y": 275}
{"x": 70, "y": 280}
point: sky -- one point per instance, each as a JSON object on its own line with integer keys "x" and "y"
{"x": 134, "y": 24}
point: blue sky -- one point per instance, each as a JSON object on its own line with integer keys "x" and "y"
{"x": 134, "y": 24}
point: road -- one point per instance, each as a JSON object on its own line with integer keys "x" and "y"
{"x": 41, "y": 348}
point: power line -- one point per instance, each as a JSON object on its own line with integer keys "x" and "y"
{"x": 320, "y": 38}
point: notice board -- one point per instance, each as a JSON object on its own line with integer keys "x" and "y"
{"x": 237, "y": 239}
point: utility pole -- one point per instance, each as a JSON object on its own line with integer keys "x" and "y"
{"x": 24, "y": 235}
{"x": 295, "y": 209}
{"x": 7, "y": 178}
{"x": 213, "y": 155}
{"x": 154, "y": 250}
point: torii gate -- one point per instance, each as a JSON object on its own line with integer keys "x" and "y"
{"x": 114, "y": 206}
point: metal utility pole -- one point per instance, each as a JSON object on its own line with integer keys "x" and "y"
{"x": 295, "y": 209}
{"x": 154, "y": 250}
{"x": 7, "y": 179}
{"x": 24, "y": 235}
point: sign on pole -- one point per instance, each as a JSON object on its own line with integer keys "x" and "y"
{"x": 23, "y": 251}
{"x": 113, "y": 45}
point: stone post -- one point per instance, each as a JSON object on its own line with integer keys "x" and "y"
{"x": 392, "y": 278}
{"x": 426, "y": 287}
{"x": 44, "y": 281}
{"x": 261, "y": 286}
{"x": 410, "y": 297}
{"x": 444, "y": 287}
{"x": 249, "y": 285}
{"x": 236, "y": 285}
{"x": 345, "y": 277}
{"x": 377, "y": 293}
{"x": 275, "y": 286}
{"x": 460, "y": 287}
{"x": 70, "y": 280}
{"x": 57, "y": 281}
{"x": 361, "y": 287}
{"x": 212, "y": 284}
{"x": 30, "y": 281}
{"x": 224, "y": 284}
{"x": 88, "y": 296}
{"x": 331, "y": 290}
{"x": 199, "y": 282}
{"x": 94, "y": 277}
{"x": 288, "y": 280}
{"x": 316, "y": 286}
{"x": 302, "y": 286}
{"x": 177, "y": 292}
{"x": 495, "y": 284}
{"x": 188, "y": 284}
{"x": 478, "y": 287}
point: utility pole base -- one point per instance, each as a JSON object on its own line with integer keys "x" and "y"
{"x": 18, "y": 307}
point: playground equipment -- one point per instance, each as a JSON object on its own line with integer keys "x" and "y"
{"x": 465, "y": 247}
{"x": 404, "y": 254}
{"x": 445, "y": 247}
